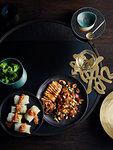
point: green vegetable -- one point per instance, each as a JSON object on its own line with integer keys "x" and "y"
{"x": 3, "y": 65}
{"x": 16, "y": 67}
{"x": 10, "y": 70}
{"x": 5, "y": 79}
{"x": 9, "y": 73}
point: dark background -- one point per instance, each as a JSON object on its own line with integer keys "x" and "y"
{"x": 89, "y": 134}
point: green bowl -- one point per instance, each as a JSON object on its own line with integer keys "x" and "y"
{"x": 23, "y": 74}
{"x": 86, "y": 20}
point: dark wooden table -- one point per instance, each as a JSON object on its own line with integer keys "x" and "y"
{"x": 88, "y": 135}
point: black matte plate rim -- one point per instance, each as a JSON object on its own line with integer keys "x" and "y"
{"x": 23, "y": 134}
{"x": 30, "y": 22}
{"x": 60, "y": 76}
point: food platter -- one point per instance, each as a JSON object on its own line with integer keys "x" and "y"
{"x": 5, "y": 109}
{"x": 82, "y": 108}
{"x": 45, "y": 48}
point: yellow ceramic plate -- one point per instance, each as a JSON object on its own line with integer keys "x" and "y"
{"x": 106, "y": 114}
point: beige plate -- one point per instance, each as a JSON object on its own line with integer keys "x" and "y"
{"x": 106, "y": 114}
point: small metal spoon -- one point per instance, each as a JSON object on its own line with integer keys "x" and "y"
{"x": 89, "y": 35}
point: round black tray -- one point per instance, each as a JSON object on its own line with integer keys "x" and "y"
{"x": 45, "y": 48}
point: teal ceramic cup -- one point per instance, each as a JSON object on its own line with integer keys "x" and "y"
{"x": 86, "y": 20}
{"x": 22, "y": 78}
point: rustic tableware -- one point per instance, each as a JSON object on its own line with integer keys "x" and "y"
{"x": 106, "y": 114}
{"x": 90, "y": 35}
{"x": 86, "y": 60}
{"x": 82, "y": 107}
{"x": 22, "y": 77}
{"x": 86, "y": 20}
{"x": 81, "y": 34}
{"x": 5, "y": 108}
{"x": 52, "y": 44}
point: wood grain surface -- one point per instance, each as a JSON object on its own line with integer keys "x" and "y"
{"x": 88, "y": 135}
